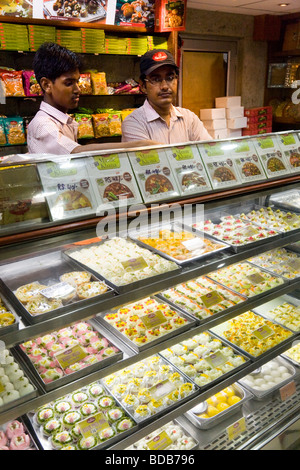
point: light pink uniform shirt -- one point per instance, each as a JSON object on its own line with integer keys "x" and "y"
{"x": 146, "y": 123}
{"x": 51, "y": 131}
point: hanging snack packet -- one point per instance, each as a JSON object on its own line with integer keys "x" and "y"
{"x": 85, "y": 126}
{"x": 99, "y": 84}
{"x": 12, "y": 82}
{"x": 31, "y": 86}
{"x": 85, "y": 84}
{"x": 14, "y": 130}
{"x": 101, "y": 125}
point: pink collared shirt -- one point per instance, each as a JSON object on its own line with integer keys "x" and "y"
{"x": 52, "y": 131}
{"x": 146, "y": 123}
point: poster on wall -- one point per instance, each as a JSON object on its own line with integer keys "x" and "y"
{"x": 170, "y": 15}
{"x": 135, "y": 13}
{"x": 19, "y": 8}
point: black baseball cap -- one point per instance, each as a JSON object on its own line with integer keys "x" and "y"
{"x": 156, "y": 58}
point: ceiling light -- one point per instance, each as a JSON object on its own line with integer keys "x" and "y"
{"x": 283, "y": 4}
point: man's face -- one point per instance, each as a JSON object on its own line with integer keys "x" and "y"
{"x": 64, "y": 92}
{"x": 161, "y": 87}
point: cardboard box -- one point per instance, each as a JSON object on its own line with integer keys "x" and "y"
{"x": 219, "y": 133}
{"x": 259, "y": 118}
{"x": 233, "y": 133}
{"x": 228, "y": 101}
{"x": 170, "y": 15}
{"x": 234, "y": 112}
{"x": 264, "y": 130}
{"x": 258, "y": 111}
{"x": 237, "y": 123}
{"x": 215, "y": 124}
{"x": 213, "y": 113}
{"x": 258, "y": 125}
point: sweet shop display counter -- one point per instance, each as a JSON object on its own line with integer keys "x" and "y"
{"x": 184, "y": 331}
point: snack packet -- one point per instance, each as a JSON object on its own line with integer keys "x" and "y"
{"x": 115, "y": 123}
{"x": 85, "y": 84}
{"x": 101, "y": 125}
{"x": 13, "y": 83}
{"x": 99, "y": 84}
{"x": 85, "y": 126}
{"x": 2, "y": 133}
{"x": 14, "y": 130}
{"x": 31, "y": 86}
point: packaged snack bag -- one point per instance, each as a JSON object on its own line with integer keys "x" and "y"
{"x": 101, "y": 125}
{"x": 2, "y": 133}
{"x": 31, "y": 86}
{"x": 85, "y": 126}
{"x": 14, "y": 130}
{"x": 99, "y": 84}
{"x": 85, "y": 84}
{"x": 115, "y": 123}
{"x": 13, "y": 83}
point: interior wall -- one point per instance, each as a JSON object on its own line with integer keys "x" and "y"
{"x": 252, "y": 55}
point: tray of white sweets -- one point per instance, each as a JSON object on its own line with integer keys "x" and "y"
{"x": 284, "y": 310}
{"x": 269, "y": 378}
{"x": 202, "y": 298}
{"x": 205, "y": 359}
{"x": 69, "y": 353}
{"x": 46, "y": 286}
{"x": 239, "y": 234}
{"x": 150, "y": 388}
{"x": 122, "y": 263}
{"x": 171, "y": 436}
{"x": 145, "y": 323}
{"x": 89, "y": 418}
{"x": 281, "y": 261}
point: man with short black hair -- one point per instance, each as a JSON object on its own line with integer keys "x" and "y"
{"x": 158, "y": 119}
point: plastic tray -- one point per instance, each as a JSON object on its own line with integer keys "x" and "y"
{"x": 45, "y": 269}
{"x": 264, "y": 309}
{"x": 207, "y": 423}
{"x": 15, "y": 326}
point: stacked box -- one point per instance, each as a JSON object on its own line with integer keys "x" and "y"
{"x": 157, "y": 42}
{"x": 226, "y": 120}
{"x": 137, "y": 46}
{"x": 115, "y": 45}
{"x": 14, "y": 37}
{"x": 259, "y": 120}
{"x": 37, "y": 35}
{"x": 214, "y": 120}
{"x": 93, "y": 40}
{"x": 70, "y": 39}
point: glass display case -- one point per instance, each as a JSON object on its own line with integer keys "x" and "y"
{"x": 156, "y": 300}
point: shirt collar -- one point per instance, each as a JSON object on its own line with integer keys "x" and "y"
{"x": 56, "y": 113}
{"x": 152, "y": 115}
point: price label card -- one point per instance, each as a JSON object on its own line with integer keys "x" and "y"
{"x": 162, "y": 389}
{"x": 236, "y": 429}
{"x": 134, "y": 264}
{"x": 263, "y": 332}
{"x": 287, "y": 390}
{"x": 256, "y": 278}
{"x": 160, "y": 442}
{"x": 59, "y": 290}
{"x": 194, "y": 244}
{"x": 154, "y": 319}
{"x": 212, "y": 298}
{"x": 248, "y": 231}
{"x": 216, "y": 359}
{"x": 93, "y": 425}
{"x": 70, "y": 356}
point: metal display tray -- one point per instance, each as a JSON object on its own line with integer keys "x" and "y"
{"x": 15, "y": 326}
{"x": 217, "y": 330}
{"x": 287, "y": 200}
{"x": 45, "y": 442}
{"x": 207, "y": 423}
{"x": 262, "y": 294}
{"x": 268, "y": 306}
{"x": 199, "y": 321}
{"x": 289, "y": 359}
{"x": 222, "y": 377}
{"x": 27, "y": 429}
{"x": 176, "y": 227}
{"x": 289, "y": 249}
{"x": 21, "y": 400}
{"x": 45, "y": 269}
{"x": 175, "y": 422}
{"x": 215, "y": 217}
{"x": 257, "y": 207}
{"x": 191, "y": 322}
{"x": 261, "y": 395}
{"x": 121, "y": 289}
{"x": 67, "y": 378}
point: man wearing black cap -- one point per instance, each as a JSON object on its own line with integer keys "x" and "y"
{"x": 158, "y": 119}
